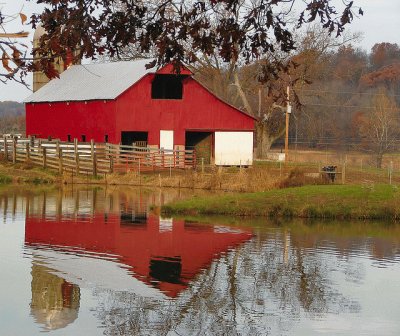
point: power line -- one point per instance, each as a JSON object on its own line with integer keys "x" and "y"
{"x": 350, "y": 92}
{"x": 351, "y": 106}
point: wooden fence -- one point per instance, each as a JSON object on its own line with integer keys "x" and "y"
{"x": 93, "y": 158}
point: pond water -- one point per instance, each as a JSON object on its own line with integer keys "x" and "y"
{"x": 99, "y": 262}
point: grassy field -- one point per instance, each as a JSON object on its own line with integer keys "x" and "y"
{"x": 313, "y": 201}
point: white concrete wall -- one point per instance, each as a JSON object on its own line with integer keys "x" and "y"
{"x": 233, "y": 148}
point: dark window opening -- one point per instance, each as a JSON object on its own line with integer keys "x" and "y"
{"x": 132, "y": 138}
{"x": 202, "y": 143}
{"x": 133, "y": 218}
{"x": 106, "y": 138}
{"x": 167, "y": 87}
{"x": 166, "y": 269}
{"x": 83, "y": 138}
{"x": 69, "y": 137}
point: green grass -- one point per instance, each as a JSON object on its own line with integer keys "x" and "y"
{"x": 5, "y": 179}
{"x": 316, "y": 201}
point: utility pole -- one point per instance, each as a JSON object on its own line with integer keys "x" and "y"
{"x": 288, "y": 111}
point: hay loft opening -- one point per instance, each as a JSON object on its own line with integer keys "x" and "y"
{"x": 167, "y": 86}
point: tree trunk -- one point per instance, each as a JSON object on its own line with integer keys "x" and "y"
{"x": 379, "y": 158}
{"x": 264, "y": 139}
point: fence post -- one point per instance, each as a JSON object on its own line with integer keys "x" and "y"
{"x": 94, "y": 164}
{"x": 28, "y": 154}
{"x": 14, "y": 150}
{"x": 202, "y": 165}
{"x": 111, "y": 163}
{"x": 44, "y": 157}
{"x": 390, "y": 172}
{"x": 76, "y": 155}
{"x": 344, "y": 173}
{"x": 93, "y": 157}
{"x": 60, "y": 160}
{"x": 5, "y": 148}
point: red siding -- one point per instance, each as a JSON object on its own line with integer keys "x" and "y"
{"x": 134, "y": 110}
{"x": 94, "y": 119}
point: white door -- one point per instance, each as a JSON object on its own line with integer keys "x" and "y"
{"x": 233, "y": 148}
{"x": 167, "y": 139}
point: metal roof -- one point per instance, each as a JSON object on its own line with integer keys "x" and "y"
{"x": 92, "y": 82}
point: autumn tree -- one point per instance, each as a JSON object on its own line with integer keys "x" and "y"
{"x": 379, "y": 127}
{"x": 387, "y": 77}
{"x": 383, "y": 54}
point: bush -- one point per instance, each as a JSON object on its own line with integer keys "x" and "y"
{"x": 296, "y": 178}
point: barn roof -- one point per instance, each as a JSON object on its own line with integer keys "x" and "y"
{"x": 92, "y": 82}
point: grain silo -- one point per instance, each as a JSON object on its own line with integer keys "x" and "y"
{"x": 39, "y": 77}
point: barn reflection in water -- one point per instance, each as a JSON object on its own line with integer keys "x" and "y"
{"x": 162, "y": 253}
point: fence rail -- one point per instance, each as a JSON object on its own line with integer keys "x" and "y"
{"x": 93, "y": 158}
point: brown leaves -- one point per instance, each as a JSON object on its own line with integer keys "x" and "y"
{"x": 5, "y": 62}
{"x": 23, "y": 18}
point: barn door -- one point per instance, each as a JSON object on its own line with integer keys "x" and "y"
{"x": 233, "y": 148}
{"x": 167, "y": 139}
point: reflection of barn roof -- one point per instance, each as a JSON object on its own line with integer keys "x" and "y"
{"x": 92, "y": 82}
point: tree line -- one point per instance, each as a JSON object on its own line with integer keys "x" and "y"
{"x": 12, "y": 117}
{"x": 353, "y": 99}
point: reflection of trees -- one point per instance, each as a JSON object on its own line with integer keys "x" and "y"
{"x": 55, "y": 302}
{"x": 261, "y": 287}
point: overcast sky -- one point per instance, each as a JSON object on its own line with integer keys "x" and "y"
{"x": 380, "y": 23}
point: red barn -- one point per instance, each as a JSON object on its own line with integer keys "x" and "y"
{"x": 123, "y": 102}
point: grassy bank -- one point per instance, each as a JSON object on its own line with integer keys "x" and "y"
{"x": 25, "y": 174}
{"x": 316, "y": 201}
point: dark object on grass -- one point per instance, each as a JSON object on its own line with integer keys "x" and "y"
{"x": 330, "y": 172}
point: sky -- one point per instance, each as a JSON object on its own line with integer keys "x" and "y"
{"x": 380, "y": 23}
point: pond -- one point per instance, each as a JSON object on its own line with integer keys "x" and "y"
{"x": 100, "y": 262}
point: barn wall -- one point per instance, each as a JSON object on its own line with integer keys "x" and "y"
{"x": 198, "y": 110}
{"x": 134, "y": 110}
{"x": 94, "y": 119}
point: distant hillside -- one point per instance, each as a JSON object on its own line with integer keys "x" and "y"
{"x": 11, "y": 108}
